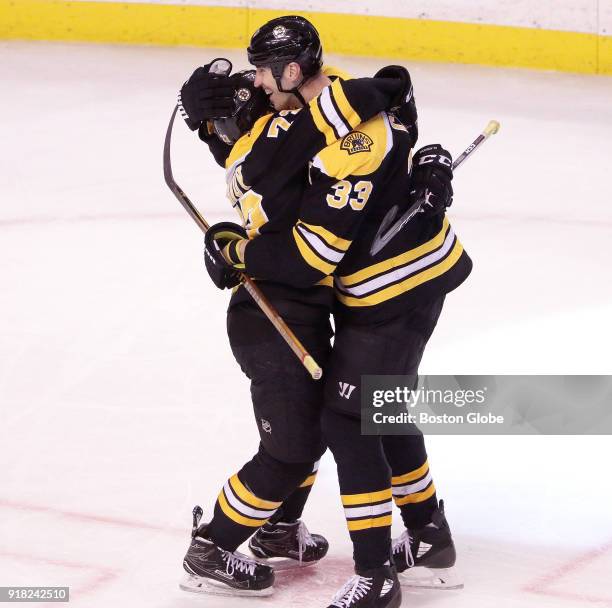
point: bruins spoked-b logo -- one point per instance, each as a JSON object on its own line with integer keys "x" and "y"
{"x": 355, "y": 142}
{"x": 243, "y": 94}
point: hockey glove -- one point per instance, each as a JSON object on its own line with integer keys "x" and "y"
{"x": 403, "y": 105}
{"x": 222, "y": 245}
{"x": 206, "y": 95}
{"x": 432, "y": 172}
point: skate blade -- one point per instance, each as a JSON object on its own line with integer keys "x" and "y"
{"x": 430, "y": 578}
{"x": 285, "y": 563}
{"x": 199, "y": 584}
{"x": 282, "y": 563}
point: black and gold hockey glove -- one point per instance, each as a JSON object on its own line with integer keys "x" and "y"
{"x": 224, "y": 253}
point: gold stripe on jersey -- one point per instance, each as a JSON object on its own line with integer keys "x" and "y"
{"x": 339, "y": 163}
{"x": 332, "y": 113}
{"x": 376, "y": 290}
{"x": 331, "y": 239}
{"x": 327, "y": 281}
{"x": 244, "y": 145}
{"x": 416, "y": 497}
{"x": 320, "y": 248}
{"x": 411, "y": 476}
{"x": 399, "y": 260}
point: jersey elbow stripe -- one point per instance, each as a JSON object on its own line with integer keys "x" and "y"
{"x": 318, "y": 247}
{"x": 417, "y": 497}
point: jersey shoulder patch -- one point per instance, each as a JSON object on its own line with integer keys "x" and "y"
{"x": 360, "y": 152}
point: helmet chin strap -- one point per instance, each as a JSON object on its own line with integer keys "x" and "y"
{"x": 278, "y": 74}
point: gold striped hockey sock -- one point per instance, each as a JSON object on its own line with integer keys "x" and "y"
{"x": 414, "y": 493}
{"x": 238, "y": 513}
{"x": 368, "y": 517}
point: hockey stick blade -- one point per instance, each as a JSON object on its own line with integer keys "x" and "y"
{"x": 283, "y": 329}
{"x": 387, "y": 231}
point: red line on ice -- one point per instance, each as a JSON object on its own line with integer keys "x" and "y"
{"x": 91, "y": 518}
{"x": 581, "y": 561}
{"x": 104, "y": 575}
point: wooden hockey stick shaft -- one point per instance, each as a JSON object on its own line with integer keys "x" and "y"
{"x": 283, "y": 329}
{"x": 387, "y": 230}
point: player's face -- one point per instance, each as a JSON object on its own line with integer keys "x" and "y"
{"x": 265, "y": 80}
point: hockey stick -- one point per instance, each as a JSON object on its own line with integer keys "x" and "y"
{"x": 387, "y": 231}
{"x": 283, "y": 329}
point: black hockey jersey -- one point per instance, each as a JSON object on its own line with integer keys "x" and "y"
{"x": 354, "y": 181}
{"x": 266, "y": 178}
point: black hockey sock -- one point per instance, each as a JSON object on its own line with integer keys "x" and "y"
{"x": 249, "y": 498}
{"x": 365, "y": 486}
{"x": 293, "y": 506}
{"x": 414, "y": 491}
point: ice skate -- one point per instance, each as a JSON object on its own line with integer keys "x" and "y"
{"x": 425, "y": 557}
{"x": 376, "y": 588}
{"x": 211, "y": 569}
{"x": 288, "y": 545}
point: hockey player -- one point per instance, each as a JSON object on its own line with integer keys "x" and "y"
{"x": 286, "y": 401}
{"x": 388, "y": 308}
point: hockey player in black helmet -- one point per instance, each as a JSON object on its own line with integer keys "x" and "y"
{"x": 285, "y": 40}
{"x": 267, "y": 495}
{"x": 249, "y": 104}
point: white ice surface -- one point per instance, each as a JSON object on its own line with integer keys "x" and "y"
{"x": 121, "y": 405}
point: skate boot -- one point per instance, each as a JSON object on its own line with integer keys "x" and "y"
{"x": 376, "y": 588}
{"x": 211, "y": 569}
{"x": 424, "y": 557}
{"x": 288, "y": 545}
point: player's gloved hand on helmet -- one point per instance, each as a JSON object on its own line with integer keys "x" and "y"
{"x": 430, "y": 179}
{"x": 206, "y": 95}
{"x": 403, "y": 104}
{"x": 224, "y": 253}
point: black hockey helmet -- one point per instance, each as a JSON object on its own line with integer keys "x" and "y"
{"x": 250, "y": 103}
{"x": 283, "y": 40}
